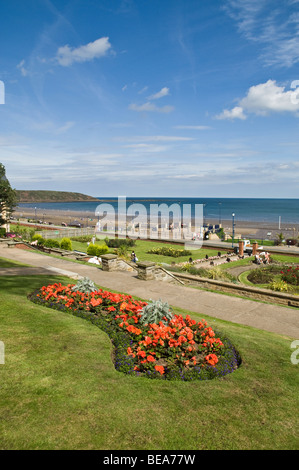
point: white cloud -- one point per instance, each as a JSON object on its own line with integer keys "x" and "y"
{"x": 145, "y": 88}
{"x": 163, "y": 92}
{"x": 274, "y": 28}
{"x": 196, "y": 128}
{"x": 68, "y": 125}
{"x": 268, "y": 97}
{"x": 154, "y": 138}
{"x": 67, "y": 56}
{"x": 21, "y": 67}
{"x": 150, "y": 107}
{"x": 263, "y": 99}
{"x": 148, "y": 148}
{"x": 235, "y": 113}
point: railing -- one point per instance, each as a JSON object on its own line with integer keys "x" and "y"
{"x": 68, "y": 233}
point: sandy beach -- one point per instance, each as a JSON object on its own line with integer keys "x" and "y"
{"x": 248, "y": 229}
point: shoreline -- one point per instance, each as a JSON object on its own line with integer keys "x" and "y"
{"x": 89, "y": 219}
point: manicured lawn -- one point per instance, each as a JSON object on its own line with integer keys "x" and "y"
{"x": 7, "y": 263}
{"x": 59, "y": 389}
{"x": 142, "y": 247}
{"x": 285, "y": 258}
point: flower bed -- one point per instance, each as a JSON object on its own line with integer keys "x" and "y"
{"x": 168, "y": 251}
{"x": 177, "y": 349}
{"x": 290, "y": 275}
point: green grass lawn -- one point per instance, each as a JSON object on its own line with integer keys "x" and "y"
{"x": 142, "y": 247}
{"x": 59, "y": 388}
{"x": 285, "y": 258}
{"x": 7, "y": 263}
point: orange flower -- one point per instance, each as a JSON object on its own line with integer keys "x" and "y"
{"x": 141, "y": 353}
{"x": 94, "y": 302}
{"x": 150, "y": 358}
{"x": 160, "y": 369}
{"x": 130, "y": 352}
{"x": 211, "y": 359}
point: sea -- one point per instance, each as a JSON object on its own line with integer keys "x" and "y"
{"x": 270, "y": 211}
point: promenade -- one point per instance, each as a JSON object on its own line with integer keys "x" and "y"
{"x": 268, "y": 317}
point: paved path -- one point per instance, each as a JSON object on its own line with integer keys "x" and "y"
{"x": 273, "y": 318}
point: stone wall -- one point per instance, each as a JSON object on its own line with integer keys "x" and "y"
{"x": 243, "y": 291}
{"x": 148, "y": 271}
{"x": 113, "y": 263}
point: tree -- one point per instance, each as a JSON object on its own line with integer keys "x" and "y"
{"x": 280, "y": 238}
{"x": 8, "y": 197}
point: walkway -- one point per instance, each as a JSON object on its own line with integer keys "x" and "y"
{"x": 273, "y": 318}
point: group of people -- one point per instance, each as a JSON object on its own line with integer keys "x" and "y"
{"x": 262, "y": 258}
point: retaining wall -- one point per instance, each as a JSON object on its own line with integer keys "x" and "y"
{"x": 237, "y": 289}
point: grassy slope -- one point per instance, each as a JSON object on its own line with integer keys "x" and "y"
{"x": 59, "y": 389}
{"x": 52, "y": 196}
{"x": 7, "y": 263}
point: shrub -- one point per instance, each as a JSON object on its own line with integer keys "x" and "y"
{"x": 82, "y": 238}
{"x": 51, "y": 243}
{"x": 279, "y": 285}
{"x": 66, "y": 244}
{"x": 97, "y": 250}
{"x": 155, "y": 312}
{"x": 122, "y": 251}
{"x": 102, "y": 250}
{"x": 117, "y": 242}
{"x": 210, "y": 273}
{"x": 168, "y": 251}
{"x": 221, "y": 233}
{"x": 219, "y": 274}
{"x": 291, "y": 275}
{"x": 85, "y": 285}
{"x": 39, "y": 238}
{"x": 25, "y": 232}
{"x": 2, "y": 232}
{"x": 260, "y": 276}
{"x": 92, "y": 250}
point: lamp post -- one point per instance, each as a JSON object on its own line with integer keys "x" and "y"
{"x": 233, "y": 216}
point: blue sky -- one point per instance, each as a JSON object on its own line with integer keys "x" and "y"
{"x": 179, "y": 98}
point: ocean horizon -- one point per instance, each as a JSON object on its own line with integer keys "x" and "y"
{"x": 267, "y": 210}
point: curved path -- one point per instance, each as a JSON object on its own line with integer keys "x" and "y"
{"x": 268, "y": 317}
